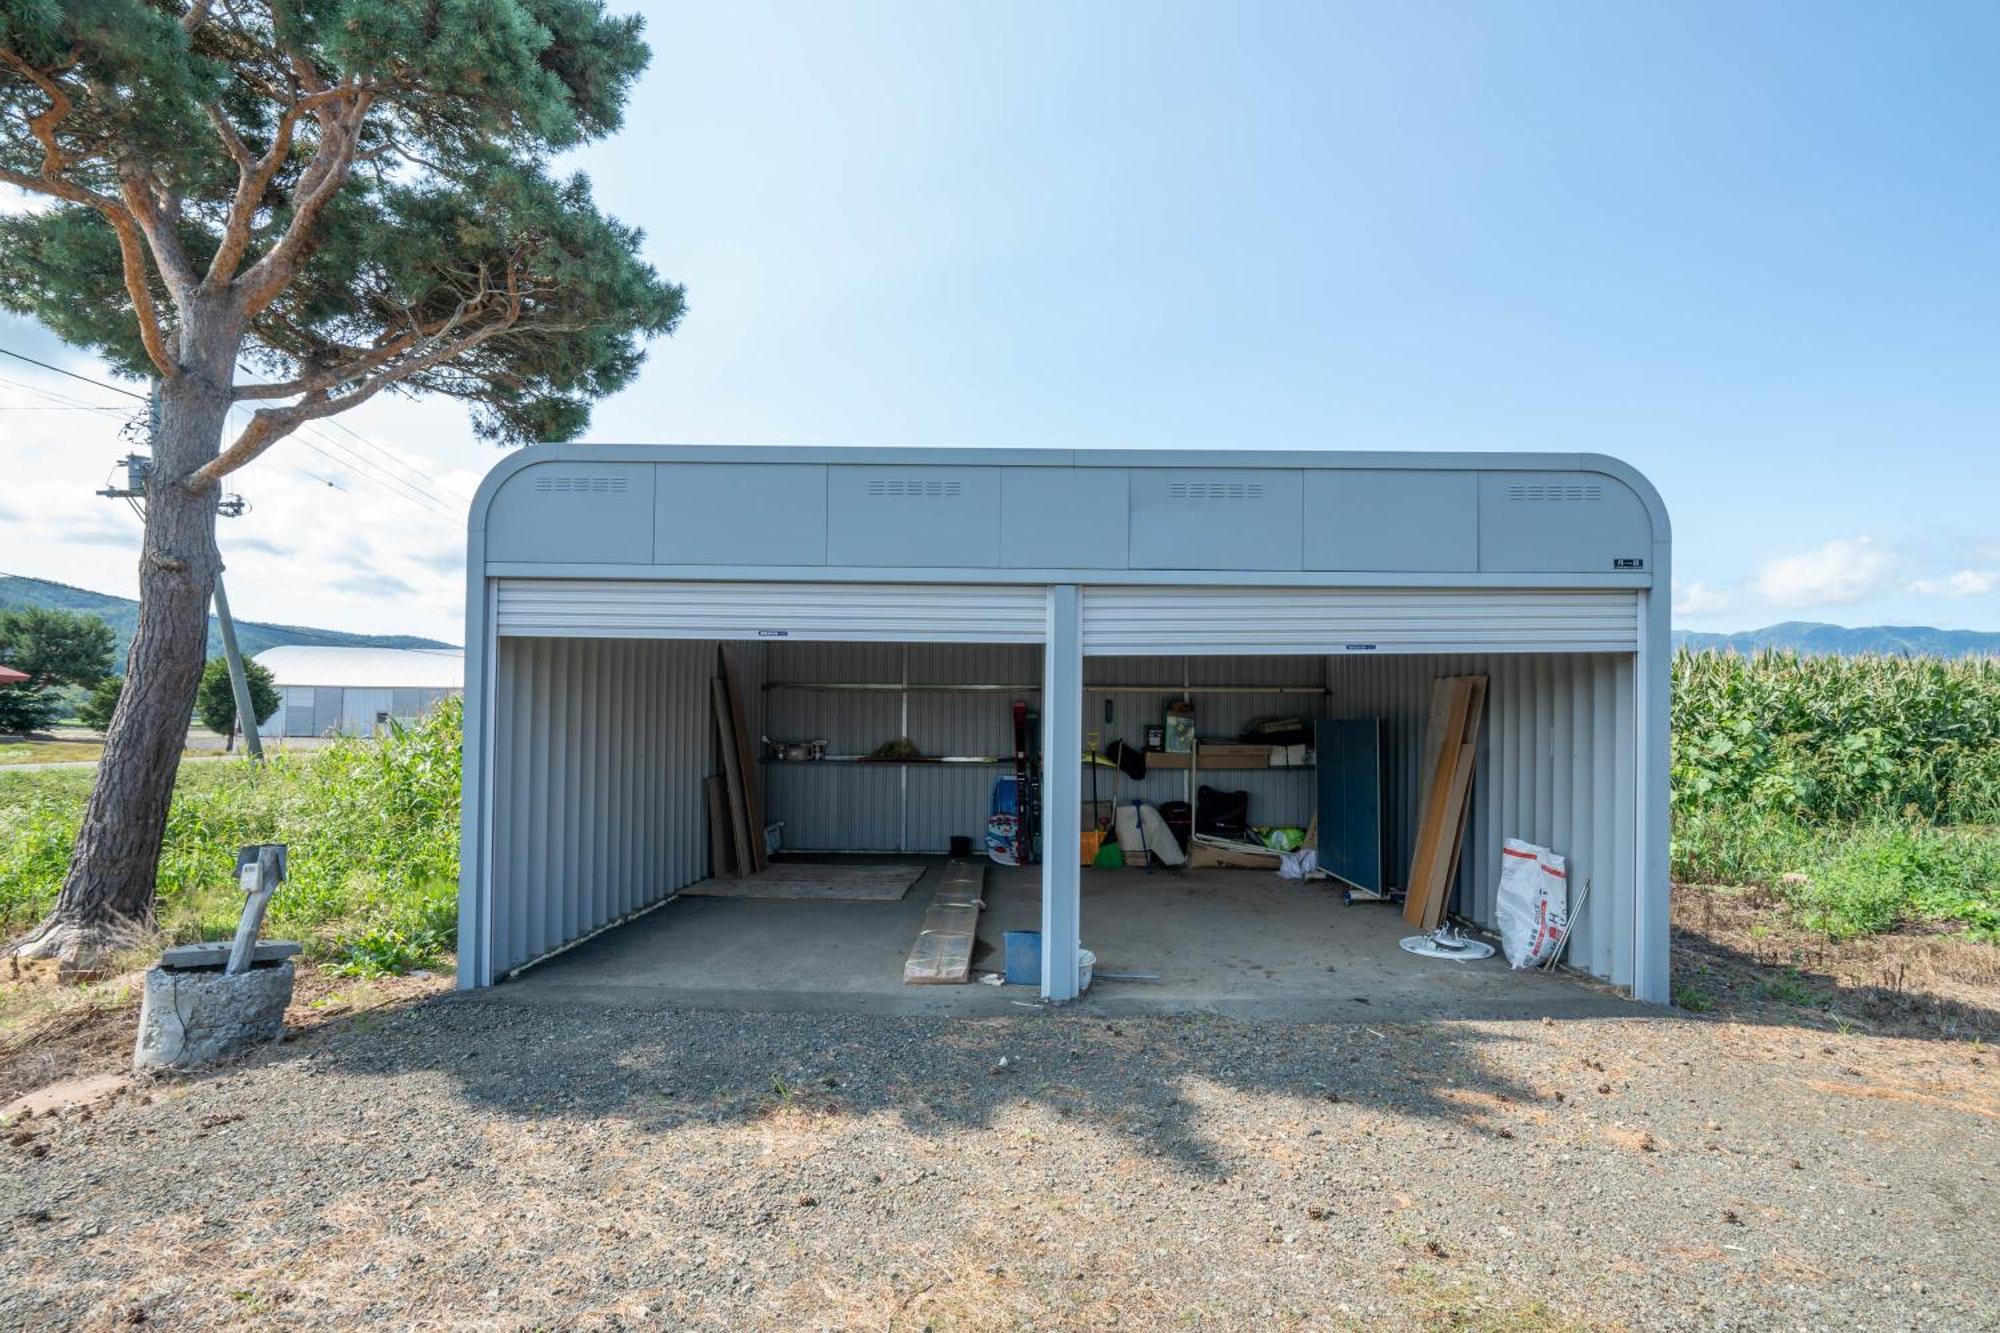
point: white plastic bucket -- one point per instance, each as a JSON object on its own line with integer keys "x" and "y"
{"x": 1085, "y": 961}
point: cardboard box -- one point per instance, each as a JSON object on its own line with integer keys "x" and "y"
{"x": 1204, "y": 857}
{"x": 1219, "y": 754}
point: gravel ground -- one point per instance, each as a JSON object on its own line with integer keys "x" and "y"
{"x": 461, "y": 1163}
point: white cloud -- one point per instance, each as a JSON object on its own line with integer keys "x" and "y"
{"x": 1700, "y": 599}
{"x": 1965, "y": 583}
{"x": 341, "y": 534}
{"x": 1840, "y": 573}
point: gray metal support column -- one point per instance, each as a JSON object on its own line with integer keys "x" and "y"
{"x": 475, "y": 828}
{"x": 1652, "y": 981}
{"x": 1062, "y": 793}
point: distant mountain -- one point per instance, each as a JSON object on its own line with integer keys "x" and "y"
{"x": 122, "y": 614}
{"x": 1812, "y": 639}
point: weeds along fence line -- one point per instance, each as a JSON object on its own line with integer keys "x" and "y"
{"x": 372, "y": 826}
{"x": 1867, "y": 789}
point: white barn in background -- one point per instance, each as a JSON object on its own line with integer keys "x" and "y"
{"x": 357, "y": 691}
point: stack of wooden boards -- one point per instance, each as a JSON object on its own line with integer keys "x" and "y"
{"x": 942, "y": 954}
{"x": 1451, "y": 745}
{"x": 735, "y": 801}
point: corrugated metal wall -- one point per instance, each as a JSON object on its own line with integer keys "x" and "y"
{"x": 861, "y": 807}
{"x": 295, "y": 715}
{"x": 600, "y": 748}
{"x": 890, "y": 807}
{"x": 1283, "y": 796}
{"x": 1556, "y": 766}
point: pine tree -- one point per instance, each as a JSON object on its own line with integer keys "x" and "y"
{"x": 342, "y": 195}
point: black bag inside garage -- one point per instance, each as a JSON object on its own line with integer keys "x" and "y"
{"x": 1222, "y": 814}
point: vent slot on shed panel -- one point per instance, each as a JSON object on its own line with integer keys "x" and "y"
{"x": 1541, "y": 491}
{"x": 562, "y": 485}
{"x": 1215, "y": 490}
{"x": 913, "y": 487}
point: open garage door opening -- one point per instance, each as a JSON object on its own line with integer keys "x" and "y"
{"x": 888, "y": 746}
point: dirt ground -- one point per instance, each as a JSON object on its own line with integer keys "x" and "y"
{"x": 444, "y": 1161}
{"x": 54, "y": 1035}
{"x": 1736, "y": 953}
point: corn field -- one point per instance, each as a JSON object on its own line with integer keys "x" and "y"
{"x": 1869, "y": 786}
{"x": 1838, "y": 739}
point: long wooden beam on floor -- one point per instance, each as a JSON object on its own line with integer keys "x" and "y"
{"x": 942, "y": 954}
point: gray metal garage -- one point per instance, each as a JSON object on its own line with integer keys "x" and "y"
{"x": 872, "y": 593}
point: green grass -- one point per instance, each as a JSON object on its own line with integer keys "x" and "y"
{"x": 1852, "y": 879}
{"x": 1789, "y": 987}
{"x": 372, "y": 827}
{"x": 1693, "y": 998}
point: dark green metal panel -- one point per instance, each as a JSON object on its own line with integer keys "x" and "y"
{"x": 1349, "y": 754}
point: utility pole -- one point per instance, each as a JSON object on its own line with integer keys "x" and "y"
{"x": 137, "y": 469}
{"x": 239, "y": 684}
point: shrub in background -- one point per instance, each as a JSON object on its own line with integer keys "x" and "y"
{"x": 215, "y": 697}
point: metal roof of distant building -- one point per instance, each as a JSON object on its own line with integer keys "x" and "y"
{"x": 9, "y": 676}
{"x": 408, "y": 668}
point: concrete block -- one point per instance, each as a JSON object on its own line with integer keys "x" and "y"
{"x": 194, "y": 1018}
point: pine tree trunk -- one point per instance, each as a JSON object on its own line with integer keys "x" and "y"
{"x": 106, "y": 902}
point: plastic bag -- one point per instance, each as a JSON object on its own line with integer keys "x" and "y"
{"x": 1301, "y": 864}
{"x": 1533, "y": 904}
{"x": 1285, "y": 838}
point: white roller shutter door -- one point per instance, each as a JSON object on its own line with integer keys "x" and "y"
{"x": 832, "y": 612}
{"x": 1242, "y": 621}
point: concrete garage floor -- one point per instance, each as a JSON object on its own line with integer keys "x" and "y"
{"x": 1237, "y": 942}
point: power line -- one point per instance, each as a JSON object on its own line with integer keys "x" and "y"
{"x": 382, "y": 480}
{"x": 416, "y": 479}
{"x": 386, "y": 481}
{"x": 61, "y": 398}
{"x": 395, "y": 485}
{"x": 450, "y": 493}
{"x": 431, "y": 515}
{"x": 415, "y": 493}
{"x": 4, "y": 351}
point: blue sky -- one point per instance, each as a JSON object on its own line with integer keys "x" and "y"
{"x": 1749, "y": 248}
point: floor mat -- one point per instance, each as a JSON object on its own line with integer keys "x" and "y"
{"x": 876, "y": 883}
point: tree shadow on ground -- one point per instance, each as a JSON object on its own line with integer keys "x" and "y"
{"x": 1736, "y": 955}
{"x": 1143, "y": 1081}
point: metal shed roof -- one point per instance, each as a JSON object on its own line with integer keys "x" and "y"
{"x": 1303, "y": 518}
{"x": 405, "y": 668}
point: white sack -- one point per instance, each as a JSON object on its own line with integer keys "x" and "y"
{"x": 1534, "y": 902}
{"x": 1302, "y": 864}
